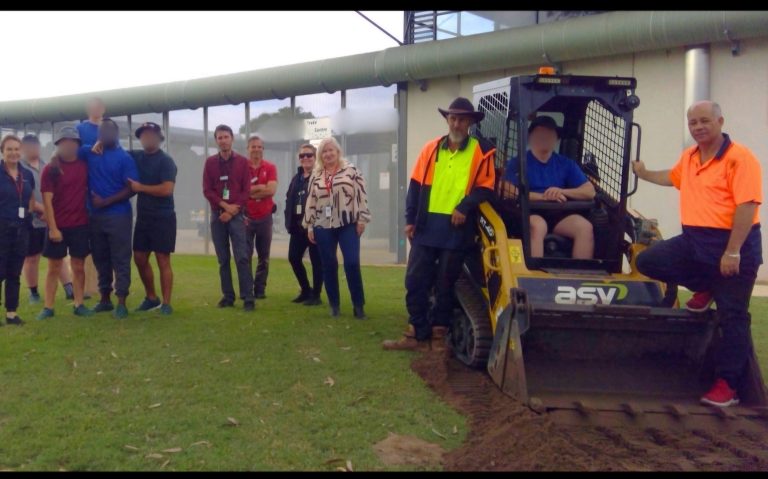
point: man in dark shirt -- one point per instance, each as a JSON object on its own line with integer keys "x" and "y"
{"x": 155, "y": 216}
{"x": 226, "y": 186}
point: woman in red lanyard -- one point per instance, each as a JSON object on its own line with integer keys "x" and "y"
{"x": 16, "y": 201}
{"x": 335, "y": 216}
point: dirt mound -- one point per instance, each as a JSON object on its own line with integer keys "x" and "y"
{"x": 506, "y": 436}
{"x": 397, "y": 450}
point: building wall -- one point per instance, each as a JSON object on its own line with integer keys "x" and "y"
{"x": 739, "y": 84}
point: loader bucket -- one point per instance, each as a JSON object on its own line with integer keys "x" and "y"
{"x": 609, "y": 364}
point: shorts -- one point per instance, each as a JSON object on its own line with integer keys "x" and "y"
{"x": 36, "y": 239}
{"x": 155, "y": 233}
{"x": 75, "y": 239}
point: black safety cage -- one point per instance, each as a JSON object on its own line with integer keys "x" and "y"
{"x": 595, "y": 115}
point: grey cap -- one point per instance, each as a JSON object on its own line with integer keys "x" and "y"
{"x": 67, "y": 132}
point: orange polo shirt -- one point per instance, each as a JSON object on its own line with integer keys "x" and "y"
{"x": 710, "y": 193}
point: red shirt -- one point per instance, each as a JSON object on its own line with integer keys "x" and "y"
{"x": 232, "y": 173}
{"x": 70, "y": 192}
{"x": 266, "y": 172}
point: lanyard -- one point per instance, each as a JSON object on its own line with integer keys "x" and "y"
{"x": 329, "y": 180}
{"x": 225, "y": 171}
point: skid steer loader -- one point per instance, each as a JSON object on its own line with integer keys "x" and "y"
{"x": 584, "y": 340}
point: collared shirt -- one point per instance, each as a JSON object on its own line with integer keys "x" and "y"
{"x": 232, "y": 174}
{"x": 559, "y": 171}
{"x": 452, "y": 170}
{"x": 709, "y": 195}
{"x": 37, "y": 221}
{"x": 89, "y": 132}
{"x": 262, "y": 207}
{"x": 108, "y": 174}
{"x": 10, "y": 199}
{"x": 154, "y": 169}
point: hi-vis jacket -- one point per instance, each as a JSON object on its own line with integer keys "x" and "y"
{"x": 443, "y": 181}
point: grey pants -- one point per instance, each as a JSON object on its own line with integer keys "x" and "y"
{"x": 224, "y": 234}
{"x": 111, "y": 249}
{"x": 259, "y": 237}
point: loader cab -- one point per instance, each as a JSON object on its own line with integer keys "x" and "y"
{"x": 595, "y": 118}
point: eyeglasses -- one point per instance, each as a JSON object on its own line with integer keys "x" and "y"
{"x": 306, "y": 155}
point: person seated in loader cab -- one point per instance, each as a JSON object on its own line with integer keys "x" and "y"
{"x": 552, "y": 177}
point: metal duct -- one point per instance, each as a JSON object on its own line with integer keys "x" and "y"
{"x": 696, "y": 82}
{"x": 578, "y": 38}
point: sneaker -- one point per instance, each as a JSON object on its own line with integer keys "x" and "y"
{"x": 313, "y": 301}
{"x": 45, "y": 314}
{"x": 302, "y": 297}
{"x": 34, "y": 298}
{"x": 721, "y": 395}
{"x": 225, "y": 303}
{"x": 700, "y": 302}
{"x": 359, "y": 313}
{"x": 259, "y": 295}
{"x": 81, "y": 310}
{"x": 70, "y": 297}
{"x": 148, "y": 304}
{"x": 249, "y": 306}
{"x": 166, "y": 309}
{"x": 16, "y": 321}
{"x": 102, "y": 307}
{"x": 121, "y": 312}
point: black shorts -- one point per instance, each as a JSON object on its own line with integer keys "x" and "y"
{"x": 155, "y": 233}
{"x": 36, "y": 240}
{"x": 76, "y": 240}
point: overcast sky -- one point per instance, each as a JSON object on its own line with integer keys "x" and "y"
{"x": 60, "y": 53}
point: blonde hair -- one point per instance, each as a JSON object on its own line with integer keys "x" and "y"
{"x": 318, "y": 170}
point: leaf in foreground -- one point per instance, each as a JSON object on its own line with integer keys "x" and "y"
{"x": 232, "y": 421}
{"x": 329, "y": 381}
{"x": 172, "y": 450}
{"x": 153, "y": 406}
{"x": 131, "y": 448}
{"x": 154, "y": 455}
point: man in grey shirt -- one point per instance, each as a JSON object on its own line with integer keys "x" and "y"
{"x": 30, "y": 149}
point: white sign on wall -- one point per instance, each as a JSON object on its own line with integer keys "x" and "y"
{"x": 317, "y": 128}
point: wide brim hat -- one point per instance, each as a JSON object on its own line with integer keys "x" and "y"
{"x": 463, "y": 107}
{"x": 67, "y": 133}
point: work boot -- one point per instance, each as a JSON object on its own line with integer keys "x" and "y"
{"x": 438, "y": 338}
{"x": 407, "y": 343}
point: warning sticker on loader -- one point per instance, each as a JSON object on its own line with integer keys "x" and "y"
{"x": 515, "y": 254}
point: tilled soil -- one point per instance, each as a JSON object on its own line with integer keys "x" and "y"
{"x": 506, "y": 436}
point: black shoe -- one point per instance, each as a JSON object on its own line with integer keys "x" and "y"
{"x": 359, "y": 313}
{"x": 249, "y": 306}
{"x": 225, "y": 303}
{"x": 15, "y": 321}
{"x": 335, "y": 312}
{"x": 259, "y": 295}
{"x": 313, "y": 301}
{"x": 302, "y": 297}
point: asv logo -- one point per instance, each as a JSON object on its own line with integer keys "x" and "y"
{"x": 591, "y": 293}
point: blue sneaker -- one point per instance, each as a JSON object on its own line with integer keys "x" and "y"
{"x": 121, "y": 312}
{"x": 45, "y": 314}
{"x": 82, "y": 311}
{"x": 166, "y": 309}
{"x": 101, "y": 307}
{"x": 148, "y": 304}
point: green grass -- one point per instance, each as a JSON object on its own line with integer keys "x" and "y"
{"x": 74, "y": 392}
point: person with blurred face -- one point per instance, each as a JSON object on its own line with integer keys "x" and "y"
{"x": 65, "y": 193}
{"x": 295, "y": 204}
{"x": 336, "y": 216}
{"x": 259, "y": 209}
{"x": 453, "y": 174}
{"x": 89, "y": 129}
{"x": 155, "y": 216}
{"x": 552, "y": 177}
{"x": 720, "y": 249}
{"x": 111, "y": 217}
{"x": 227, "y": 186}
{"x": 16, "y": 203}
{"x": 30, "y": 159}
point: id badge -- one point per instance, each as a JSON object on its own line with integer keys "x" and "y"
{"x": 22, "y": 212}
{"x": 225, "y": 194}
{"x": 298, "y": 209}
{"x": 327, "y": 211}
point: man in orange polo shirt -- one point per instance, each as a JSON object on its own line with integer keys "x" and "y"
{"x": 719, "y": 251}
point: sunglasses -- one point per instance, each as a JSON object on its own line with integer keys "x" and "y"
{"x": 306, "y": 155}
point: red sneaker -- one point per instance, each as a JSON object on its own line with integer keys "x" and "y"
{"x": 700, "y": 302}
{"x": 721, "y": 395}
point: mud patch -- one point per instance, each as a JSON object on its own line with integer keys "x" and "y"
{"x": 397, "y": 450}
{"x": 506, "y": 436}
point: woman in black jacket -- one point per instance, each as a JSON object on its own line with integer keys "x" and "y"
{"x": 295, "y": 201}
